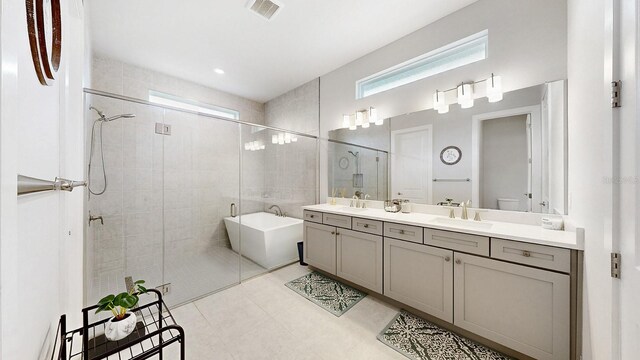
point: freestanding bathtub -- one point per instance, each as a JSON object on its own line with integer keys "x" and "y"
{"x": 267, "y": 239}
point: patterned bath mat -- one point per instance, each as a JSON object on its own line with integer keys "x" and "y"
{"x": 419, "y": 339}
{"x": 329, "y": 294}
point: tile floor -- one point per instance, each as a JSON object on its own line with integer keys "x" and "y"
{"x": 263, "y": 319}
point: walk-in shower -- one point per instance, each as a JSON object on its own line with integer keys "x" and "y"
{"x": 169, "y": 193}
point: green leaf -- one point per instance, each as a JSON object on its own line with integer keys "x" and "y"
{"x": 142, "y": 289}
{"x": 106, "y": 299}
{"x": 139, "y": 282}
{"x": 103, "y": 307}
{"x": 129, "y": 301}
{"x": 117, "y": 301}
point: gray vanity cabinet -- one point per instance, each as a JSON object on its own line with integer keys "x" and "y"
{"x": 419, "y": 276}
{"x": 524, "y": 308}
{"x": 359, "y": 257}
{"x": 320, "y": 246}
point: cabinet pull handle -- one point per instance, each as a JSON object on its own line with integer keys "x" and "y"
{"x": 402, "y": 232}
{"x": 447, "y": 259}
{"x": 366, "y": 225}
{"x": 526, "y": 253}
{"x": 337, "y": 234}
{"x": 333, "y": 233}
{"x": 458, "y": 261}
{"x": 311, "y": 216}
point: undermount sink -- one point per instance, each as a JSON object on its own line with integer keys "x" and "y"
{"x": 464, "y": 223}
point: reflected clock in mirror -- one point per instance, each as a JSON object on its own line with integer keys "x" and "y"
{"x": 450, "y": 155}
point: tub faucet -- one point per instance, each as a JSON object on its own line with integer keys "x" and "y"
{"x": 277, "y": 210}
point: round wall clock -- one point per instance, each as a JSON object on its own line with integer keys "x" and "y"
{"x": 343, "y": 163}
{"x": 451, "y": 155}
{"x": 44, "y": 28}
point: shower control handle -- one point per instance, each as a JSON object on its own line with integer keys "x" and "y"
{"x": 232, "y": 210}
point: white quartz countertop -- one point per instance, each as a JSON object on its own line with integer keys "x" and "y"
{"x": 496, "y": 229}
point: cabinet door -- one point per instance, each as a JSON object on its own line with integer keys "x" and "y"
{"x": 520, "y": 307}
{"x": 320, "y": 246}
{"x": 420, "y": 276}
{"x": 360, "y": 258}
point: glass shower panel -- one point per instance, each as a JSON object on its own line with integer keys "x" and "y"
{"x": 356, "y": 170}
{"x": 125, "y": 238}
{"x": 278, "y": 177}
{"x": 201, "y": 186}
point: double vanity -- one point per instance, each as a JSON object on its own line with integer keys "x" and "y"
{"x": 515, "y": 285}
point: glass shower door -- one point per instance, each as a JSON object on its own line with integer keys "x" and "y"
{"x": 201, "y": 190}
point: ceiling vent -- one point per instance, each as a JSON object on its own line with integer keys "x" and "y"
{"x": 266, "y": 9}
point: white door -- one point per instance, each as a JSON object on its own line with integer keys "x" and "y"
{"x": 628, "y": 200}
{"x": 411, "y": 158}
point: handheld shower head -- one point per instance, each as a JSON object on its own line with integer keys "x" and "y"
{"x": 106, "y": 119}
{"x": 123, "y": 116}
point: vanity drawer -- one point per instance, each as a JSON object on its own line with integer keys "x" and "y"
{"x": 403, "y": 232}
{"x": 547, "y": 257}
{"x": 368, "y": 226}
{"x": 336, "y": 220}
{"x": 313, "y": 216}
{"x": 472, "y": 244}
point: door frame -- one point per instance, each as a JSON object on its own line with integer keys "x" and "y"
{"x": 392, "y": 160}
{"x": 536, "y": 150}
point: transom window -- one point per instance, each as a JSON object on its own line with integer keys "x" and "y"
{"x": 192, "y": 105}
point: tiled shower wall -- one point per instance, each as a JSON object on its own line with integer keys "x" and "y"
{"x": 290, "y": 169}
{"x": 181, "y": 185}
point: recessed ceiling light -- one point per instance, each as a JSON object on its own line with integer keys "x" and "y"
{"x": 219, "y": 71}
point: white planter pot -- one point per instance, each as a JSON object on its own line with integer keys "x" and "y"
{"x": 120, "y": 329}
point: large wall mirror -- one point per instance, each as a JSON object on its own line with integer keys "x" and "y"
{"x": 508, "y": 155}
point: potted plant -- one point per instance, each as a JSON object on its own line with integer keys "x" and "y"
{"x": 123, "y": 322}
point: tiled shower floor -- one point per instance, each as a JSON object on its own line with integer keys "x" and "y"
{"x": 191, "y": 276}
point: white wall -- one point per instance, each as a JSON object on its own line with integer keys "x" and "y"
{"x": 41, "y": 234}
{"x": 527, "y": 48}
{"x": 589, "y": 155}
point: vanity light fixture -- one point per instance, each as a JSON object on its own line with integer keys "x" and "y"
{"x": 465, "y": 95}
{"x": 345, "y": 121}
{"x": 494, "y": 88}
{"x": 254, "y": 146}
{"x": 352, "y": 122}
{"x": 362, "y": 118}
{"x": 439, "y": 102}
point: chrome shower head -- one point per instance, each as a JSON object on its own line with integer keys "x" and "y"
{"x": 123, "y": 116}
{"x": 106, "y": 119}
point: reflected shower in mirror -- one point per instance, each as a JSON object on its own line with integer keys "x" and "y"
{"x": 357, "y": 170}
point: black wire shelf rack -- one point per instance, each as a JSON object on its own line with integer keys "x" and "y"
{"x": 156, "y": 329}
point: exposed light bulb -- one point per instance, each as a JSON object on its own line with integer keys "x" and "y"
{"x": 294, "y": 139}
{"x": 247, "y": 146}
{"x": 287, "y": 138}
{"x": 379, "y": 122}
{"x": 494, "y": 88}
{"x": 274, "y": 138}
{"x": 281, "y": 139}
{"x": 443, "y": 109}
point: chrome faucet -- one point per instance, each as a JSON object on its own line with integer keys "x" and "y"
{"x": 95, "y": 218}
{"x": 364, "y": 202}
{"x": 355, "y": 202}
{"x": 277, "y": 211}
{"x": 465, "y": 215}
